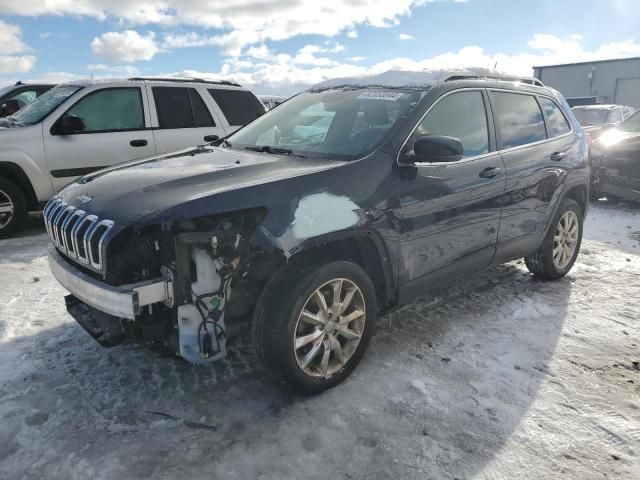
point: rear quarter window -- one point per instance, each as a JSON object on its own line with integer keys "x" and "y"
{"x": 519, "y": 119}
{"x": 556, "y": 121}
{"x": 239, "y": 106}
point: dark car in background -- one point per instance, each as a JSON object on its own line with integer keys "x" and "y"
{"x": 17, "y": 96}
{"x": 615, "y": 158}
{"x": 596, "y": 119}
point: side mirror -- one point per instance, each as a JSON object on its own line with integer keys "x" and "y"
{"x": 70, "y": 124}
{"x": 9, "y": 108}
{"x": 435, "y": 149}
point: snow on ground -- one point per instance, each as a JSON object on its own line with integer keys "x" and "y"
{"x": 499, "y": 376}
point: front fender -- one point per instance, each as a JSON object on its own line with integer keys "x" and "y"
{"x": 37, "y": 175}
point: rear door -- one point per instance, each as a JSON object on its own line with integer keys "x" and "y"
{"x": 240, "y": 107}
{"x": 181, "y": 118}
{"x": 116, "y": 130}
{"x": 536, "y": 161}
{"x": 450, "y": 212}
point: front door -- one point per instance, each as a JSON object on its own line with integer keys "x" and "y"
{"x": 115, "y": 131}
{"x": 449, "y": 213}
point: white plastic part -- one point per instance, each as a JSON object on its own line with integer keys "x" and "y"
{"x": 207, "y": 276}
{"x": 189, "y": 318}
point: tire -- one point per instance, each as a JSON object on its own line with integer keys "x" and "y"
{"x": 594, "y": 191}
{"x": 11, "y": 197}
{"x": 278, "y": 321}
{"x": 542, "y": 263}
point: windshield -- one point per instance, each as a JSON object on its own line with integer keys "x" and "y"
{"x": 591, "y": 116}
{"x": 339, "y": 123}
{"x": 44, "y": 104}
{"x": 631, "y": 124}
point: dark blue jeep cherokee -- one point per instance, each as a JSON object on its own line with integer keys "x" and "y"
{"x": 307, "y": 223}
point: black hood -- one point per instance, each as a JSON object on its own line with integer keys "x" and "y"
{"x": 145, "y": 189}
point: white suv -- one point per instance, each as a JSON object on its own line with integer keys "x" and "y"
{"x": 83, "y": 126}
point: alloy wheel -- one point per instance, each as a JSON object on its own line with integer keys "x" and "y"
{"x": 329, "y": 328}
{"x": 565, "y": 240}
{"x": 7, "y": 209}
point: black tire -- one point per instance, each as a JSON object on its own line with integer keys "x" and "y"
{"x": 15, "y": 195}
{"x": 276, "y": 319}
{"x": 541, "y": 263}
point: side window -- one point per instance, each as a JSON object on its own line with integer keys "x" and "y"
{"x": 463, "y": 116}
{"x": 614, "y": 116}
{"x": 239, "y": 106}
{"x": 201, "y": 114}
{"x": 518, "y": 118}
{"x": 111, "y": 109}
{"x": 25, "y": 97}
{"x": 179, "y": 107}
{"x": 556, "y": 122}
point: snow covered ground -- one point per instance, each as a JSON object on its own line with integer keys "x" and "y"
{"x": 498, "y": 377}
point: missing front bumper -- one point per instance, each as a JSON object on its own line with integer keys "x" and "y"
{"x": 124, "y": 301}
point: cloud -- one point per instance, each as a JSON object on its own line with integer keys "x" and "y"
{"x": 241, "y": 22}
{"x": 283, "y": 73}
{"x": 13, "y": 64}
{"x": 405, "y": 36}
{"x": 352, "y": 34}
{"x": 11, "y": 39}
{"x": 113, "y": 71}
{"x": 126, "y": 46}
{"x": 12, "y": 44}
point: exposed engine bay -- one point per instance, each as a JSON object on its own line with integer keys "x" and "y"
{"x": 208, "y": 261}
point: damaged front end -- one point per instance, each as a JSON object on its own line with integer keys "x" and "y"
{"x": 167, "y": 286}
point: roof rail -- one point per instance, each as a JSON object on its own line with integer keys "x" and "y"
{"x": 187, "y": 80}
{"x": 501, "y": 78}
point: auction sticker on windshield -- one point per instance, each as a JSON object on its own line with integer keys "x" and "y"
{"x": 380, "y": 95}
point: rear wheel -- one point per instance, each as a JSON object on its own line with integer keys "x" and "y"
{"x": 314, "y": 327}
{"x": 559, "y": 250}
{"x": 13, "y": 208}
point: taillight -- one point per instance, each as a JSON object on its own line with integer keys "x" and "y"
{"x": 589, "y": 138}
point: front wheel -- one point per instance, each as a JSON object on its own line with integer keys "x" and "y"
{"x": 13, "y": 208}
{"x": 314, "y": 326}
{"x": 560, "y": 247}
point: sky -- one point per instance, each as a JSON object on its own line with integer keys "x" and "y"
{"x": 284, "y": 46}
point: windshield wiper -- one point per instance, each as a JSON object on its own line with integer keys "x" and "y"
{"x": 274, "y": 151}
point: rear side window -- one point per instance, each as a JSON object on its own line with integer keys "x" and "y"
{"x": 181, "y": 108}
{"x": 110, "y": 109}
{"x": 556, "y": 122}
{"x": 519, "y": 119}
{"x": 239, "y": 106}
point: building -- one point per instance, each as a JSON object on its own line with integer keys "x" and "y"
{"x": 605, "y": 81}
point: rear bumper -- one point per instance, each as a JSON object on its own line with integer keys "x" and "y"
{"x": 124, "y": 301}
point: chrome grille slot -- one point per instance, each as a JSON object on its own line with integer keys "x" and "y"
{"x": 57, "y": 224}
{"x": 67, "y": 228}
{"x": 78, "y": 235}
{"x": 95, "y": 242}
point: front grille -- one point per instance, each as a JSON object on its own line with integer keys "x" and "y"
{"x": 75, "y": 233}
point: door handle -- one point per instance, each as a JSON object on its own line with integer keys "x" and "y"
{"x": 211, "y": 138}
{"x": 490, "y": 172}
{"x": 557, "y": 156}
{"x": 138, "y": 143}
